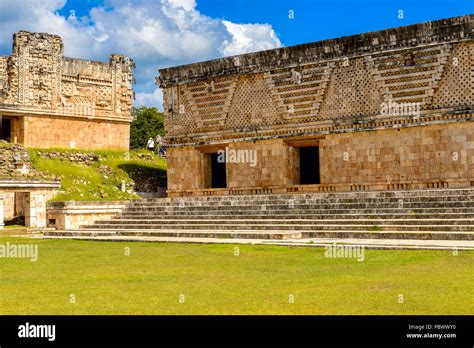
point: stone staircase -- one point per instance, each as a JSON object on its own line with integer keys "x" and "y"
{"x": 438, "y": 218}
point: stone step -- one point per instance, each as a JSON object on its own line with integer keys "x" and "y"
{"x": 279, "y": 201}
{"x": 282, "y": 227}
{"x": 263, "y": 234}
{"x": 407, "y": 221}
{"x": 439, "y": 215}
{"x": 259, "y": 210}
{"x": 390, "y": 244}
{"x": 289, "y": 216}
{"x": 324, "y": 195}
{"x": 461, "y": 204}
{"x": 245, "y": 234}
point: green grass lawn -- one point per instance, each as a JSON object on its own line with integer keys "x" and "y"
{"x": 84, "y": 183}
{"x": 213, "y": 280}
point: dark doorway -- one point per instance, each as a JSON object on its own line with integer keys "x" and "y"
{"x": 5, "y": 129}
{"x": 309, "y": 165}
{"x": 218, "y": 173}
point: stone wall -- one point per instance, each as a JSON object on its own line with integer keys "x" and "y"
{"x": 419, "y": 154}
{"x": 45, "y": 132}
{"x": 27, "y": 199}
{"x": 324, "y": 87}
{"x": 388, "y": 109}
{"x": 71, "y": 215}
{"x": 37, "y": 83}
{"x": 415, "y": 157}
{"x": 185, "y": 169}
{"x": 270, "y": 169}
{"x": 9, "y": 205}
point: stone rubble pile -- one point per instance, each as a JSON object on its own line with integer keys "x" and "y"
{"x": 81, "y": 158}
{"x": 15, "y": 162}
{"x": 146, "y": 157}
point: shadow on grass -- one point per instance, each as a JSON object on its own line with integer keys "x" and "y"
{"x": 146, "y": 178}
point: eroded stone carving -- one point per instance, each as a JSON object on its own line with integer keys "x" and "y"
{"x": 37, "y": 75}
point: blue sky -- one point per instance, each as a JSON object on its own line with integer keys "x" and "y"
{"x": 161, "y": 33}
{"x": 318, "y": 19}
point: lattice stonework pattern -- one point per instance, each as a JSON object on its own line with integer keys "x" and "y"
{"x": 209, "y": 102}
{"x": 179, "y": 119}
{"x": 352, "y": 91}
{"x": 409, "y": 75}
{"x": 456, "y": 87}
{"x": 298, "y": 92}
{"x": 103, "y": 96}
{"x": 252, "y": 104}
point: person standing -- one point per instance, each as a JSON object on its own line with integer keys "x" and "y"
{"x": 150, "y": 144}
{"x": 161, "y": 149}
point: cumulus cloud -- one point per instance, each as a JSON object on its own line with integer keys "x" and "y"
{"x": 154, "y": 33}
{"x": 154, "y": 98}
{"x": 248, "y": 38}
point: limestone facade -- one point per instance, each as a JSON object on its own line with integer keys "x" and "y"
{"x": 71, "y": 215}
{"x": 391, "y": 109}
{"x": 48, "y": 100}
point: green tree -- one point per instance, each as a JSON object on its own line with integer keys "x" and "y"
{"x": 147, "y": 123}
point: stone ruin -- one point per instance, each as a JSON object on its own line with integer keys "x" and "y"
{"x": 385, "y": 110}
{"x": 48, "y": 100}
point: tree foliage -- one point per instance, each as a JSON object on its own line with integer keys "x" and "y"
{"x": 147, "y": 123}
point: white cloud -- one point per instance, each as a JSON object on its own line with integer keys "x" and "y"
{"x": 154, "y": 98}
{"x": 249, "y": 38}
{"x": 187, "y": 5}
{"x": 155, "y": 34}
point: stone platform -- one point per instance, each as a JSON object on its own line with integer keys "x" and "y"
{"x": 388, "y": 219}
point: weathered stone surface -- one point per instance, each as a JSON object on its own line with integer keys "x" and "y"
{"x": 56, "y": 101}
{"x": 346, "y": 96}
{"x": 15, "y": 162}
{"x": 71, "y": 215}
{"x": 316, "y": 92}
{"x": 27, "y": 197}
{"x": 444, "y": 30}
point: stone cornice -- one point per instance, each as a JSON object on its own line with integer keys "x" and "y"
{"x": 14, "y": 110}
{"x": 329, "y": 127}
{"x": 9, "y": 184}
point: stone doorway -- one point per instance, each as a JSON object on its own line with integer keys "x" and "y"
{"x": 218, "y": 172}
{"x": 14, "y": 204}
{"x": 309, "y": 165}
{"x": 26, "y": 199}
{"x": 5, "y": 129}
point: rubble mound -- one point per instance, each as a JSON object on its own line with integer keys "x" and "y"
{"x": 15, "y": 162}
{"x": 78, "y": 157}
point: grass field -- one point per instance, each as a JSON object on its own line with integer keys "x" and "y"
{"x": 260, "y": 280}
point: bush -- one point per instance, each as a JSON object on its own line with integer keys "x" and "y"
{"x": 147, "y": 123}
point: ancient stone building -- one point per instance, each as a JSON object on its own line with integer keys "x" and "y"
{"x": 391, "y": 109}
{"x": 48, "y": 100}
